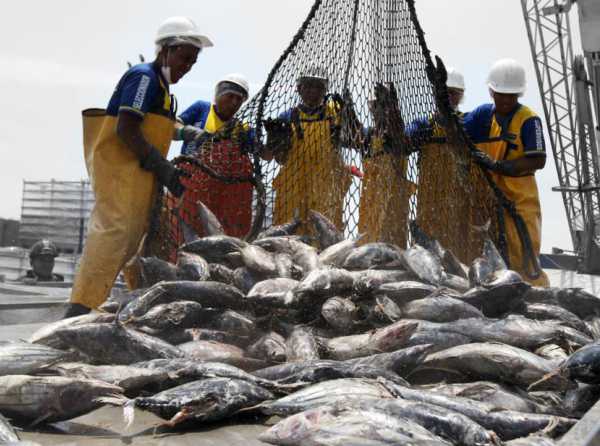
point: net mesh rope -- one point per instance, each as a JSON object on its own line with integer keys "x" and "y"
{"x": 381, "y": 150}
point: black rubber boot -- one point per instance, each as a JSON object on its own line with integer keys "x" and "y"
{"x": 76, "y": 310}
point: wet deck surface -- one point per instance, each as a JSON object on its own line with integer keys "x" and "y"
{"x": 105, "y": 426}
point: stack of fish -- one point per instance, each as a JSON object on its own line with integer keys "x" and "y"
{"x": 346, "y": 344}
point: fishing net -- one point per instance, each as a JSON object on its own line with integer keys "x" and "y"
{"x": 354, "y": 122}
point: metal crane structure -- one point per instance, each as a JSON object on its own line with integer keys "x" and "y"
{"x": 569, "y": 85}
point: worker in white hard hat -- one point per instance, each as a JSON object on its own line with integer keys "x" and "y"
{"x": 305, "y": 140}
{"x": 511, "y": 146}
{"x": 428, "y": 136}
{"x": 426, "y": 130}
{"x": 202, "y": 129}
{"x": 125, "y": 148}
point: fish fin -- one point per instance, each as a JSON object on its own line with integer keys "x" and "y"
{"x": 129, "y": 413}
{"x": 551, "y": 427}
{"x": 114, "y": 399}
{"x": 543, "y": 379}
{"x": 184, "y": 414}
{"x": 41, "y": 418}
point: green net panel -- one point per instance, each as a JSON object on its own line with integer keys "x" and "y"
{"x": 376, "y": 149}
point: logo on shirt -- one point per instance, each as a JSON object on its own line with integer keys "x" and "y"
{"x": 539, "y": 137}
{"x": 140, "y": 94}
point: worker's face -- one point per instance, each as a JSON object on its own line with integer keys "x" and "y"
{"x": 228, "y": 104}
{"x": 43, "y": 265}
{"x": 180, "y": 59}
{"x": 455, "y": 96}
{"x": 312, "y": 92}
{"x": 505, "y": 103}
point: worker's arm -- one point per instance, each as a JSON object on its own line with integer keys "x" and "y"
{"x": 513, "y": 168}
{"x": 130, "y": 132}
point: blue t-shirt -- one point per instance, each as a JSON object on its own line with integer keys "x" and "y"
{"x": 141, "y": 90}
{"x": 478, "y": 123}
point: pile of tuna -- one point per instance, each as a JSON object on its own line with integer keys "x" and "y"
{"x": 347, "y": 345}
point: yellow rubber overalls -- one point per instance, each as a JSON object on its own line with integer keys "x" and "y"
{"x": 124, "y": 194}
{"x": 522, "y": 191}
{"x": 314, "y": 175}
{"x": 384, "y": 200}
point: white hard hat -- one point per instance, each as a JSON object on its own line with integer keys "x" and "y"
{"x": 236, "y": 79}
{"x": 455, "y": 79}
{"x": 181, "y": 30}
{"x": 507, "y": 76}
{"x": 314, "y": 72}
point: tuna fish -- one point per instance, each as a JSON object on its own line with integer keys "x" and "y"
{"x": 336, "y": 254}
{"x": 326, "y": 393}
{"x": 339, "y": 425}
{"x": 402, "y": 292}
{"x": 373, "y": 255}
{"x": 340, "y": 313}
{"x": 575, "y": 300}
{"x": 507, "y": 424}
{"x": 280, "y": 230}
{"x": 272, "y": 293}
{"x": 496, "y": 362}
{"x": 187, "y": 370}
{"x": 583, "y": 365}
{"x": 130, "y": 378}
{"x": 301, "y": 346}
{"x": 328, "y": 234}
{"x": 208, "y": 294}
{"x": 424, "y": 264}
{"x": 220, "y": 273}
{"x": 543, "y": 312}
{"x": 46, "y": 335}
{"x": 391, "y": 337}
{"x": 214, "y": 248}
{"x": 439, "y": 309}
{"x": 368, "y": 281}
{"x": 499, "y": 396}
{"x": 233, "y": 322}
{"x": 400, "y": 362}
{"x": 244, "y": 279}
{"x": 154, "y": 270}
{"x": 270, "y": 347}
{"x": 259, "y": 261}
{"x": 21, "y": 358}
{"x": 50, "y": 398}
{"x": 210, "y": 223}
{"x": 217, "y": 352}
{"x": 454, "y": 426}
{"x": 115, "y": 344}
{"x": 207, "y": 400}
{"x": 180, "y": 314}
{"x": 321, "y": 284}
{"x": 192, "y": 267}
{"x": 303, "y": 255}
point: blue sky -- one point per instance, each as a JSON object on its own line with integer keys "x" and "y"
{"x": 61, "y": 57}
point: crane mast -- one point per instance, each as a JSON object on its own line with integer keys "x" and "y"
{"x": 571, "y": 107}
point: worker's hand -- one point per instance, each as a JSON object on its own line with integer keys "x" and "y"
{"x": 276, "y": 126}
{"x": 166, "y": 173}
{"x": 484, "y": 160}
{"x": 190, "y": 133}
